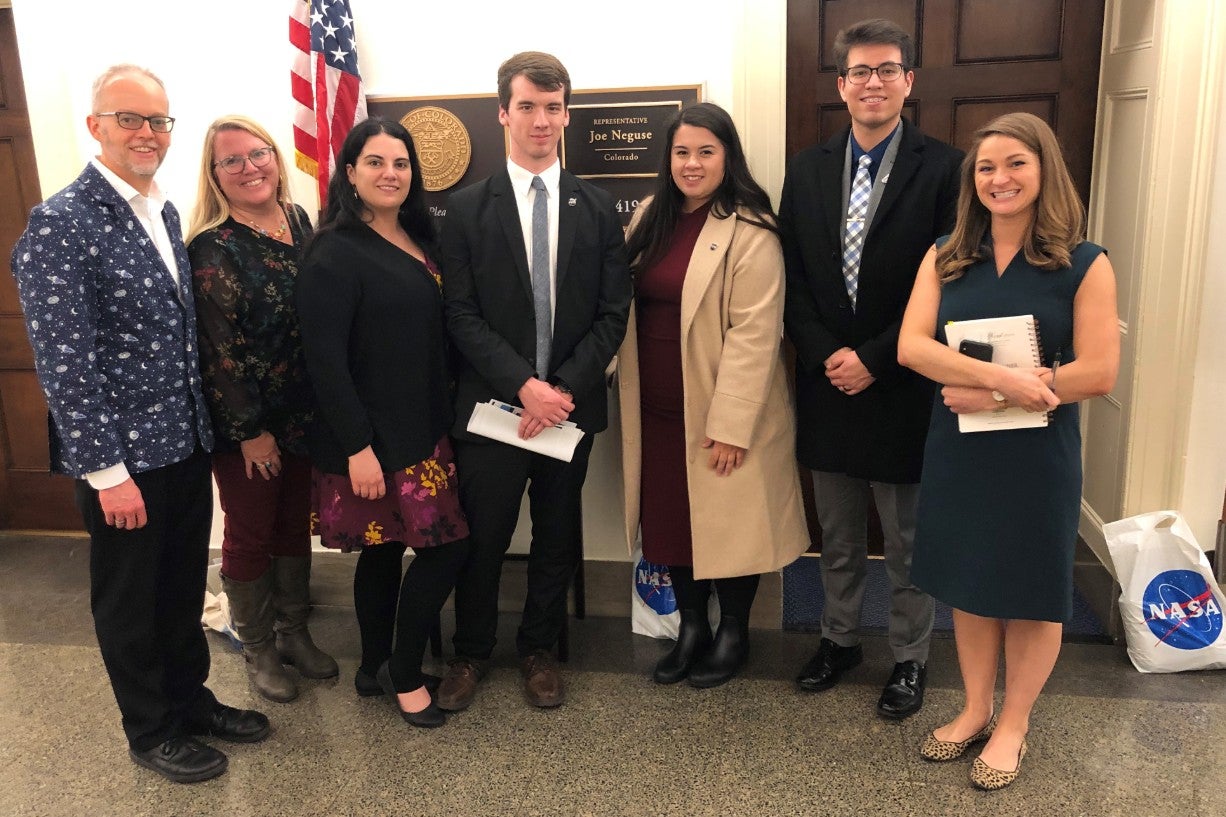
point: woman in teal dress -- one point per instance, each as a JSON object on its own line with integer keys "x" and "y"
{"x": 998, "y": 509}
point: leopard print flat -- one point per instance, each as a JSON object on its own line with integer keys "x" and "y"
{"x": 985, "y": 777}
{"x": 941, "y": 751}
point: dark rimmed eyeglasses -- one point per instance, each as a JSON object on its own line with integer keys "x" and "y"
{"x": 260, "y": 157}
{"x": 886, "y": 72}
{"x": 134, "y": 121}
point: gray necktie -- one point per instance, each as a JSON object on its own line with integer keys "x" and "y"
{"x": 540, "y": 277}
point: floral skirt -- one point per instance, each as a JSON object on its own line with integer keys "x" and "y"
{"x": 421, "y": 507}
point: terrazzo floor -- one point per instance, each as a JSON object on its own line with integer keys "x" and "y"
{"x": 1105, "y": 740}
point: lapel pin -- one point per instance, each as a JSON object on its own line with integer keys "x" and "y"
{"x": 572, "y": 201}
{"x": 712, "y": 246}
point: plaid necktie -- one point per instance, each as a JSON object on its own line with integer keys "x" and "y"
{"x": 853, "y": 232}
{"x": 540, "y": 277}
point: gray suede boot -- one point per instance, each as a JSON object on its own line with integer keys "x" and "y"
{"x": 252, "y": 615}
{"x": 292, "y": 580}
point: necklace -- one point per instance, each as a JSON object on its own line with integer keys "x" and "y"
{"x": 275, "y": 233}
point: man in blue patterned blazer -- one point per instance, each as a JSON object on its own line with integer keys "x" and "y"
{"x": 106, "y": 290}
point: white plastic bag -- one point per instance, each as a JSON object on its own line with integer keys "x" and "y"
{"x": 1171, "y": 605}
{"x": 653, "y": 606}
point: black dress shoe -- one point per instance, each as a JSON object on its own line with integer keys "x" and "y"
{"x": 693, "y": 639}
{"x": 429, "y": 718}
{"x": 827, "y": 665}
{"x": 728, "y": 653}
{"x": 228, "y": 723}
{"x": 904, "y": 694}
{"x": 182, "y": 760}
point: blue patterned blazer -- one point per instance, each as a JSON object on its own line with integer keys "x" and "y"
{"x": 114, "y": 343}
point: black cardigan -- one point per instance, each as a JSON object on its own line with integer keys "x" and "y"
{"x": 375, "y": 344}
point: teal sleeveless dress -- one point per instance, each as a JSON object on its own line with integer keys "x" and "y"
{"x": 998, "y": 510}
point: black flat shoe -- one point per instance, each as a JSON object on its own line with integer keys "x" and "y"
{"x": 429, "y": 718}
{"x": 904, "y": 693}
{"x": 368, "y": 686}
{"x": 235, "y": 725}
{"x": 182, "y": 760}
{"x": 729, "y": 652}
{"x": 828, "y": 665}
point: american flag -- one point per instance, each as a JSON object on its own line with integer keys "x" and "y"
{"x": 327, "y": 88}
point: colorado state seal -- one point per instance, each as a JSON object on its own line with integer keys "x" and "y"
{"x": 443, "y": 147}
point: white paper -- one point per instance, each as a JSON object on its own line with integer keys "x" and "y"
{"x": 500, "y": 421}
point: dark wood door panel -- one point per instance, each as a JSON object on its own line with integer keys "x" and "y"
{"x": 30, "y": 496}
{"x": 972, "y": 56}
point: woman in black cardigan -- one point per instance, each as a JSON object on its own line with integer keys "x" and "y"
{"x": 370, "y": 304}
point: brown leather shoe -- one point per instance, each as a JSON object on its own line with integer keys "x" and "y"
{"x": 542, "y": 681}
{"x": 459, "y": 685}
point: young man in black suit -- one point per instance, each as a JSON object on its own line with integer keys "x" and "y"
{"x": 537, "y": 293}
{"x": 854, "y": 232}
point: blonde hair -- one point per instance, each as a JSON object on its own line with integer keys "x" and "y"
{"x": 1059, "y": 221}
{"x": 212, "y": 207}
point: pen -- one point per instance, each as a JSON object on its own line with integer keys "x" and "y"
{"x": 1055, "y": 367}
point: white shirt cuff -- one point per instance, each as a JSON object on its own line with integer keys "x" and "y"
{"x": 107, "y": 477}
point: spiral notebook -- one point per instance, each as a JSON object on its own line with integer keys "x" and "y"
{"x": 1015, "y": 343}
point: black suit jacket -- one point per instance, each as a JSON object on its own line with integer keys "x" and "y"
{"x": 488, "y": 294}
{"x": 879, "y": 433}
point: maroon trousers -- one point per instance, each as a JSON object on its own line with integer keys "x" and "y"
{"x": 264, "y": 517}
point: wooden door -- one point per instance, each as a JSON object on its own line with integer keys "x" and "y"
{"x": 975, "y": 60}
{"x": 30, "y": 496}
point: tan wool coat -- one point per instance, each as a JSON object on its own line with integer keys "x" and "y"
{"x": 751, "y": 521}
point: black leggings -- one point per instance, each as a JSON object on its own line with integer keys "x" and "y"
{"x": 385, "y": 603}
{"x": 735, "y": 594}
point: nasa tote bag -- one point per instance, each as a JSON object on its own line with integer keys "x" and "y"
{"x": 1171, "y": 605}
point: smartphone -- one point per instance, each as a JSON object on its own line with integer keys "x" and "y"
{"x": 976, "y": 349}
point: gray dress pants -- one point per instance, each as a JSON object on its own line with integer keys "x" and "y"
{"x": 842, "y": 511}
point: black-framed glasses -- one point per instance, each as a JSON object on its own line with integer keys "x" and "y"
{"x": 133, "y": 121}
{"x": 260, "y": 157}
{"x": 886, "y": 72}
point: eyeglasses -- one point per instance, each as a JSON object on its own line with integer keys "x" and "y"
{"x": 886, "y": 72}
{"x": 259, "y": 157}
{"x": 133, "y": 121}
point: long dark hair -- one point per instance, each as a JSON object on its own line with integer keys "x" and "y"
{"x": 345, "y": 210}
{"x": 654, "y": 232}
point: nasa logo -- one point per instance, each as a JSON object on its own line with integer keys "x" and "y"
{"x": 1181, "y": 610}
{"x": 655, "y": 587}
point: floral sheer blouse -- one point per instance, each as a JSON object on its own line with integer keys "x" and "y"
{"x": 250, "y": 345}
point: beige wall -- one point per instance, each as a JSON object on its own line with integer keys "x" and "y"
{"x": 1161, "y": 444}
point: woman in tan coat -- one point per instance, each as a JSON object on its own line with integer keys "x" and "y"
{"x": 707, "y": 423}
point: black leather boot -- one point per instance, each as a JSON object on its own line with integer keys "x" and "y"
{"x": 693, "y": 639}
{"x": 727, "y": 655}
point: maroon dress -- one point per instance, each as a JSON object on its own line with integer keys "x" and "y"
{"x": 665, "y": 498}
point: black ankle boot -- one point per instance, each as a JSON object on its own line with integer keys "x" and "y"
{"x": 693, "y": 639}
{"x": 727, "y": 655}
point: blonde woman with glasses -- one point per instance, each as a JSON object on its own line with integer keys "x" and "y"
{"x": 244, "y": 242}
